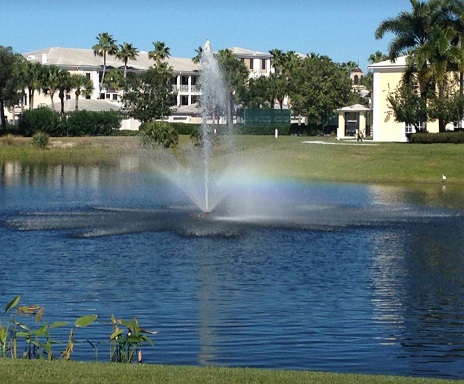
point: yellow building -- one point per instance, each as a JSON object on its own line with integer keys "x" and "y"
{"x": 387, "y": 76}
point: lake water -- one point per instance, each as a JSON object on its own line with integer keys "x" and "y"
{"x": 283, "y": 274}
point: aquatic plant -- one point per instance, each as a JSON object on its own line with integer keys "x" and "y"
{"x": 123, "y": 345}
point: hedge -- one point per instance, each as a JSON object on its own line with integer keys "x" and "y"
{"x": 77, "y": 123}
{"x": 442, "y": 137}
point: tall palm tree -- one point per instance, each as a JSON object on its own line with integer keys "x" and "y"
{"x": 412, "y": 31}
{"x": 82, "y": 86}
{"x": 106, "y": 46}
{"x": 160, "y": 51}
{"x": 125, "y": 53}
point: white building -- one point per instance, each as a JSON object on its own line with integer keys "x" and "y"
{"x": 185, "y": 82}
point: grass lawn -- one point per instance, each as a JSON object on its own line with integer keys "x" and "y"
{"x": 287, "y": 156}
{"x": 36, "y": 371}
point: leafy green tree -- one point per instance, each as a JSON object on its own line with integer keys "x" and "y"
{"x": 407, "y": 105}
{"x": 160, "y": 51}
{"x": 9, "y": 80}
{"x": 114, "y": 80}
{"x": 318, "y": 87}
{"x": 82, "y": 86}
{"x": 265, "y": 90}
{"x": 125, "y": 53}
{"x": 106, "y": 46}
{"x": 148, "y": 96}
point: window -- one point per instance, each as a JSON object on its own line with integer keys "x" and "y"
{"x": 251, "y": 63}
{"x": 184, "y": 100}
{"x": 263, "y": 64}
{"x": 410, "y": 128}
{"x": 87, "y": 76}
{"x": 115, "y": 97}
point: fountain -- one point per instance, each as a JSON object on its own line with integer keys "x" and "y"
{"x": 213, "y": 101}
{"x": 191, "y": 171}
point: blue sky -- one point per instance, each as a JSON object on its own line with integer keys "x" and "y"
{"x": 341, "y": 29}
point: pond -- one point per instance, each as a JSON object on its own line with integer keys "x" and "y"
{"x": 283, "y": 274}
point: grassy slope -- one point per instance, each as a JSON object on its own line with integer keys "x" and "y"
{"x": 22, "y": 371}
{"x": 285, "y": 157}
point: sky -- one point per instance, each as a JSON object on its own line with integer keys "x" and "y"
{"x": 341, "y": 29}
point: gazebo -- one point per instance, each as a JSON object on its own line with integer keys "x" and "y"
{"x": 352, "y": 121}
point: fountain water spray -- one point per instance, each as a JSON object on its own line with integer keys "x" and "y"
{"x": 213, "y": 103}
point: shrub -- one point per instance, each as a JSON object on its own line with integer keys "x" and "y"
{"x": 432, "y": 138}
{"x": 42, "y": 119}
{"x": 88, "y": 123}
{"x": 186, "y": 129}
{"x": 40, "y": 140}
{"x": 159, "y": 133}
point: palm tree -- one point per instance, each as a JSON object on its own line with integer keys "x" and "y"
{"x": 65, "y": 85}
{"x": 50, "y": 82}
{"x": 106, "y": 46}
{"x": 196, "y": 59}
{"x": 33, "y": 74}
{"x": 160, "y": 51}
{"x": 82, "y": 85}
{"x": 125, "y": 53}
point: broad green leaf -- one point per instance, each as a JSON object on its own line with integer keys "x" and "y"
{"x": 116, "y": 334}
{"x": 58, "y": 324}
{"x": 84, "y": 321}
{"x": 13, "y": 303}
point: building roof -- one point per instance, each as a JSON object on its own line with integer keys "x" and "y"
{"x": 242, "y": 52}
{"x": 398, "y": 64}
{"x": 355, "y": 108}
{"x": 76, "y": 58}
{"x": 88, "y": 105}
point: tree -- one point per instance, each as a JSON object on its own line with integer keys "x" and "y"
{"x": 125, "y": 53}
{"x": 377, "y": 57}
{"x": 148, "y": 96}
{"x": 318, "y": 87}
{"x": 9, "y": 80}
{"x": 428, "y": 34}
{"x": 32, "y": 74}
{"x": 114, "y": 80}
{"x": 65, "y": 84}
{"x": 160, "y": 51}
{"x": 265, "y": 90}
{"x": 197, "y": 57}
{"x": 82, "y": 85}
{"x": 407, "y": 105}
{"x": 50, "y": 82}
{"x": 235, "y": 76}
{"x": 106, "y": 46}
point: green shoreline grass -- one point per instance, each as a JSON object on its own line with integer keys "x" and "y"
{"x": 44, "y": 372}
{"x": 286, "y": 156}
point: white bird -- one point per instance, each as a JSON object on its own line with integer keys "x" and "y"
{"x": 443, "y": 178}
